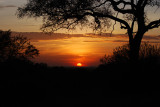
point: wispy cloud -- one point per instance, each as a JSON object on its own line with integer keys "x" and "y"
{"x": 96, "y": 41}
{"x": 36, "y": 36}
{"x": 151, "y": 37}
{"x": 7, "y": 6}
{"x": 43, "y": 36}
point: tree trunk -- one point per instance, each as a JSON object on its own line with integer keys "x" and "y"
{"x": 135, "y": 41}
{"x": 134, "y": 46}
{"x": 134, "y": 50}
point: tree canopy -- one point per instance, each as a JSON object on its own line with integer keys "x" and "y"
{"x": 69, "y": 13}
{"x": 97, "y": 14}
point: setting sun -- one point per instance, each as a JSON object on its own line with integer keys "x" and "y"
{"x": 79, "y": 64}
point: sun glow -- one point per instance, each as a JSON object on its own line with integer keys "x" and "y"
{"x": 79, "y": 64}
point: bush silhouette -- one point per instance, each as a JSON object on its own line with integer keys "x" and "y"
{"x": 148, "y": 54}
{"x": 15, "y": 47}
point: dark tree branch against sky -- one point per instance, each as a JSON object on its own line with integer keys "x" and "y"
{"x": 131, "y": 14}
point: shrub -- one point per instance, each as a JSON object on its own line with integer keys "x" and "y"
{"x": 148, "y": 54}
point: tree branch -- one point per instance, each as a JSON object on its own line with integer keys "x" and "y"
{"x": 140, "y": 2}
{"x": 123, "y": 11}
{"x": 154, "y": 24}
{"x": 133, "y": 23}
{"x": 145, "y": 3}
{"x": 111, "y": 17}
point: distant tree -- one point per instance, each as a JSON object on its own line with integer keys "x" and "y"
{"x": 131, "y": 14}
{"x": 148, "y": 54}
{"x": 15, "y": 47}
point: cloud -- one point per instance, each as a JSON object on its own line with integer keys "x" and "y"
{"x": 119, "y": 38}
{"x": 95, "y": 40}
{"x": 30, "y": 25}
{"x": 125, "y": 41}
{"x": 43, "y": 36}
{"x": 92, "y": 41}
{"x": 156, "y": 42}
{"x": 7, "y": 6}
{"x": 151, "y": 37}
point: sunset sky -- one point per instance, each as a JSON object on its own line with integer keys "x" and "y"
{"x": 71, "y": 49}
{"x": 9, "y": 20}
{"x": 66, "y": 50}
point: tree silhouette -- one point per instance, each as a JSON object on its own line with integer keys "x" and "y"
{"x": 15, "y": 47}
{"x": 130, "y": 14}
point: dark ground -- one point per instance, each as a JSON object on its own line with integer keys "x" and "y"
{"x": 28, "y": 85}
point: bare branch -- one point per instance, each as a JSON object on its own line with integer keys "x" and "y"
{"x": 122, "y": 10}
{"x": 154, "y": 24}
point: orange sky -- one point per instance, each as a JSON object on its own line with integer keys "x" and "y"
{"x": 68, "y": 50}
{"x": 63, "y": 49}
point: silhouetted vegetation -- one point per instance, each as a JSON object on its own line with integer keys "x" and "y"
{"x": 148, "y": 54}
{"x": 118, "y": 82}
{"x": 27, "y": 84}
{"x": 67, "y": 14}
{"x": 149, "y": 59}
{"x": 15, "y": 53}
{"x": 15, "y": 47}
